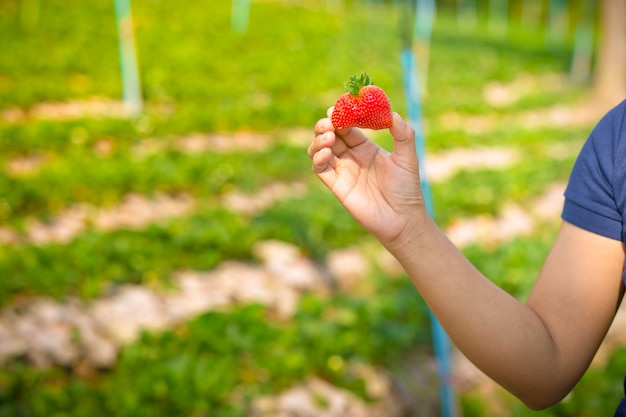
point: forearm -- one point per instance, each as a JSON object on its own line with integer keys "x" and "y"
{"x": 502, "y": 336}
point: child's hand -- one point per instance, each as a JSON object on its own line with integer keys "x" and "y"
{"x": 381, "y": 190}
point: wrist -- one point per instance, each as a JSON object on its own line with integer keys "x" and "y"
{"x": 416, "y": 233}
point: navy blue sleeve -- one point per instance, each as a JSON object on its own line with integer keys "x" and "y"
{"x": 590, "y": 197}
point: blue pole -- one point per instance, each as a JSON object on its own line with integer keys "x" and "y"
{"x": 411, "y": 82}
{"x": 128, "y": 58}
{"x": 441, "y": 341}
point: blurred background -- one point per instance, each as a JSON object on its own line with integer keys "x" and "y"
{"x": 165, "y": 249}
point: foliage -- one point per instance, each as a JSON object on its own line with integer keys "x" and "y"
{"x": 219, "y": 363}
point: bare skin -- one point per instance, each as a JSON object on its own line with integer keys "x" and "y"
{"x": 537, "y": 349}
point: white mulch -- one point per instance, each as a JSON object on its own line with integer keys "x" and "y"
{"x": 514, "y": 221}
{"x": 135, "y": 211}
{"x": 317, "y": 398}
{"x": 442, "y": 166}
{"x": 50, "y": 332}
{"x": 95, "y": 107}
{"x": 244, "y": 203}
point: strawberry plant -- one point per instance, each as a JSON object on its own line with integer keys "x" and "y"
{"x": 218, "y": 362}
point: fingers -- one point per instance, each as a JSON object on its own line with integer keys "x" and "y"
{"x": 342, "y": 140}
{"x": 323, "y": 149}
{"x": 323, "y": 125}
{"x": 323, "y": 160}
{"x": 403, "y": 140}
{"x": 323, "y": 141}
{"x": 349, "y": 137}
{"x": 324, "y": 137}
{"x": 401, "y": 131}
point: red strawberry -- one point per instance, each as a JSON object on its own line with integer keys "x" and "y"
{"x": 364, "y": 105}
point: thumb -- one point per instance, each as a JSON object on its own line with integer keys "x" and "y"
{"x": 403, "y": 140}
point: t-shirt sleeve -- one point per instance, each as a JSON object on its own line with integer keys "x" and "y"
{"x": 590, "y": 201}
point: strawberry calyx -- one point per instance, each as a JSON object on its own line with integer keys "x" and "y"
{"x": 356, "y": 82}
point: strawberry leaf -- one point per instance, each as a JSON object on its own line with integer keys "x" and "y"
{"x": 356, "y": 82}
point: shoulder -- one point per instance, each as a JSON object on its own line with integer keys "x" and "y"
{"x": 594, "y": 198}
{"x": 610, "y": 129}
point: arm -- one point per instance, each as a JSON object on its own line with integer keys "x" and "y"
{"x": 537, "y": 350}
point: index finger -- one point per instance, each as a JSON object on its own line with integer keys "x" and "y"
{"x": 323, "y": 125}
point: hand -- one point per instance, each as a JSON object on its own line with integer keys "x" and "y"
{"x": 381, "y": 190}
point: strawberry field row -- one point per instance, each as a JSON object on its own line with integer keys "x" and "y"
{"x": 105, "y": 179}
{"x": 212, "y": 234}
{"x": 209, "y": 78}
{"x": 469, "y": 195}
{"x": 79, "y": 176}
{"x": 220, "y": 362}
{"x": 93, "y": 261}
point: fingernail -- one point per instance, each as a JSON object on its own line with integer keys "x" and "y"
{"x": 398, "y": 119}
